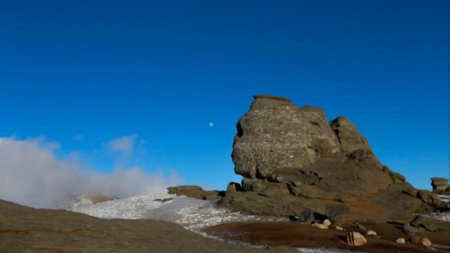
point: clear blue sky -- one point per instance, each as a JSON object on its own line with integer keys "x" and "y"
{"x": 164, "y": 69}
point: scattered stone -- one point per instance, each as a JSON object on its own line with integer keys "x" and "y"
{"x": 339, "y": 228}
{"x": 356, "y": 239}
{"x": 425, "y": 242}
{"x": 324, "y": 225}
{"x": 400, "y": 240}
{"x": 326, "y": 222}
{"x": 371, "y": 233}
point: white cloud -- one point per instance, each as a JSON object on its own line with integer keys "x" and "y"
{"x": 31, "y": 174}
{"x": 124, "y": 144}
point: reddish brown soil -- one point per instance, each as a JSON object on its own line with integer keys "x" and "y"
{"x": 305, "y": 236}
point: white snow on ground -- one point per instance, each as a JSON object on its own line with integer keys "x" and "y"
{"x": 444, "y": 198}
{"x": 128, "y": 208}
{"x": 444, "y": 216}
{"x": 323, "y": 250}
{"x": 191, "y": 213}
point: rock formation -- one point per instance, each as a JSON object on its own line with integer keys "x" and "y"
{"x": 194, "y": 191}
{"x": 293, "y": 161}
{"x": 439, "y": 184}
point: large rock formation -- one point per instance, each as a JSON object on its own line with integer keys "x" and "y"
{"x": 293, "y": 160}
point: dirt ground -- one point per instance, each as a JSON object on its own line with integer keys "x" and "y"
{"x": 27, "y": 230}
{"x": 306, "y": 236}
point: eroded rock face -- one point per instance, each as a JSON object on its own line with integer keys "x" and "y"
{"x": 299, "y": 161}
{"x": 278, "y": 142}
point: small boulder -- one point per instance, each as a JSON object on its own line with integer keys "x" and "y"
{"x": 425, "y": 242}
{"x": 356, "y": 239}
{"x": 400, "y": 240}
{"x": 339, "y": 228}
{"x": 326, "y": 222}
{"x": 324, "y": 225}
{"x": 371, "y": 233}
{"x": 422, "y": 222}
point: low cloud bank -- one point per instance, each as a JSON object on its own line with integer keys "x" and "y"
{"x": 31, "y": 174}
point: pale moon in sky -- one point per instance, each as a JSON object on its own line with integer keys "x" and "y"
{"x": 210, "y": 124}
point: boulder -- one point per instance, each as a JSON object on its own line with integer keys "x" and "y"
{"x": 425, "y": 242}
{"x": 339, "y": 228}
{"x": 293, "y": 160}
{"x": 400, "y": 240}
{"x": 423, "y": 222}
{"x": 439, "y": 184}
{"x": 194, "y": 191}
{"x": 355, "y": 239}
{"x": 322, "y": 225}
{"x": 371, "y": 233}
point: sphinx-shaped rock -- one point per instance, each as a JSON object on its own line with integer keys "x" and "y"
{"x": 298, "y": 161}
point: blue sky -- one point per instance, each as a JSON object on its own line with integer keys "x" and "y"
{"x": 83, "y": 73}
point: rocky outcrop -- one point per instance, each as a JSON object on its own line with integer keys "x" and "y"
{"x": 294, "y": 161}
{"x": 194, "y": 191}
{"x": 439, "y": 184}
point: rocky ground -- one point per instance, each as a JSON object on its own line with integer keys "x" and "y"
{"x": 306, "y": 236}
{"x": 24, "y": 229}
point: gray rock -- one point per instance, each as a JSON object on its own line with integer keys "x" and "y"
{"x": 420, "y": 221}
{"x": 292, "y": 160}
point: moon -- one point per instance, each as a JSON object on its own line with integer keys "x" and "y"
{"x": 211, "y": 124}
